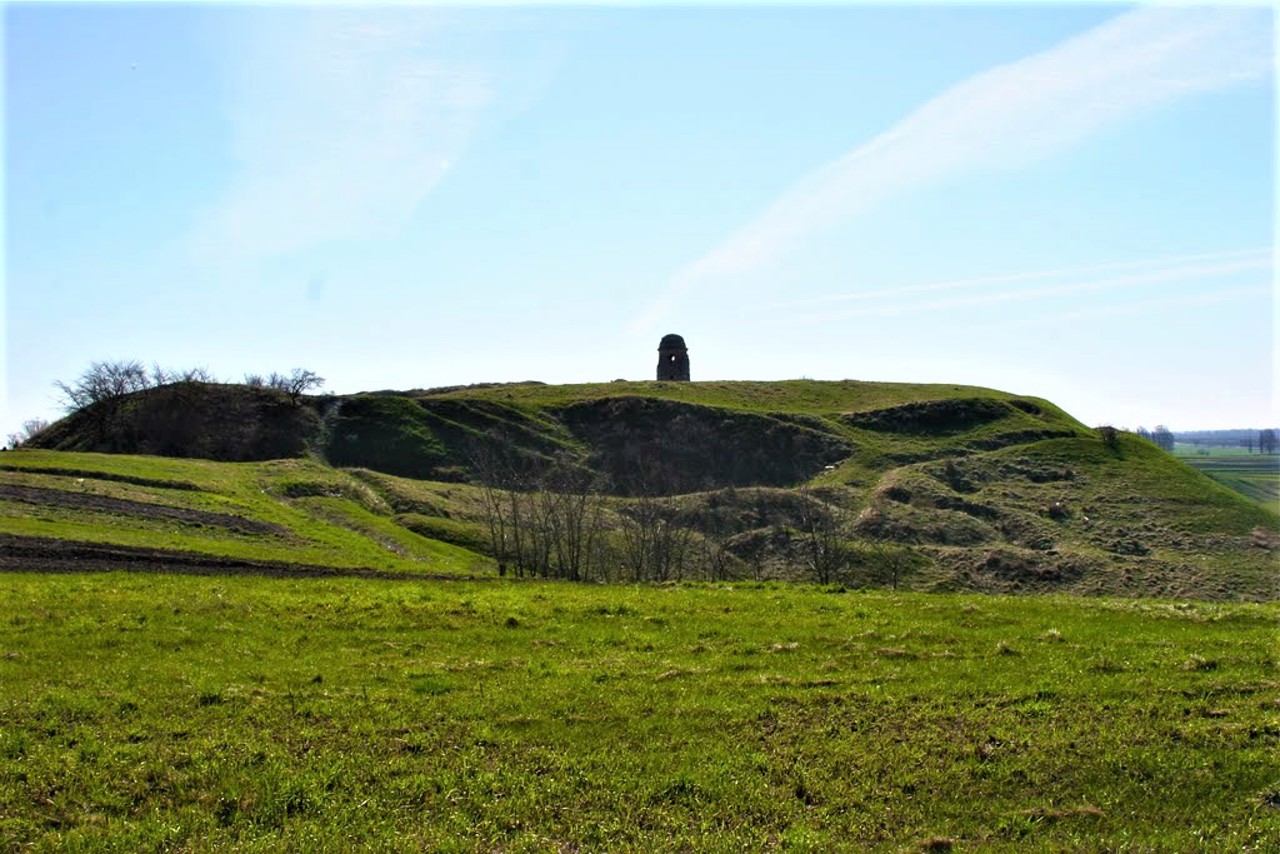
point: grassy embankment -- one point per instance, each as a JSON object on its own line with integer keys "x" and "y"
{"x": 291, "y": 511}
{"x": 180, "y": 713}
{"x": 985, "y": 490}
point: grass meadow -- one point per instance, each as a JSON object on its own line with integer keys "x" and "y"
{"x": 155, "y": 712}
{"x": 303, "y": 512}
{"x": 813, "y": 397}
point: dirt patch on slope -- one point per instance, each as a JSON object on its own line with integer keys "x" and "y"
{"x": 650, "y": 445}
{"x": 137, "y": 509}
{"x": 934, "y": 417}
{"x": 37, "y": 554}
{"x": 100, "y": 475}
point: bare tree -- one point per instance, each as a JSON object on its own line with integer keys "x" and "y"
{"x": 825, "y": 530}
{"x": 572, "y": 514}
{"x": 893, "y": 561}
{"x": 501, "y": 484}
{"x": 100, "y": 390}
{"x": 103, "y": 381}
{"x": 718, "y": 563}
{"x": 166, "y": 376}
{"x": 655, "y": 537}
{"x": 298, "y": 382}
{"x": 544, "y": 517}
{"x": 29, "y": 429}
{"x": 656, "y": 541}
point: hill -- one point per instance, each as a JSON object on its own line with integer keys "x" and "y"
{"x": 934, "y": 487}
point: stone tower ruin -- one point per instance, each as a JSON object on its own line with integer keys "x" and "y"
{"x": 673, "y": 359}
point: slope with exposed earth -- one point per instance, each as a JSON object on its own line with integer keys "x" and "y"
{"x": 935, "y": 487}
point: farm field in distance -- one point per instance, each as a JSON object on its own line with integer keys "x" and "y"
{"x": 1254, "y": 475}
{"x": 147, "y": 712}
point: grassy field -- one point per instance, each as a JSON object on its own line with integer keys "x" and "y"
{"x": 1254, "y": 475}
{"x": 812, "y": 397}
{"x": 1186, "y": 449}
{"x": 289, "y": 511}
{"x": 178, "y": 713}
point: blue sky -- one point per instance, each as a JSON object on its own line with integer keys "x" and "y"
{"x": 1074, "y": 202}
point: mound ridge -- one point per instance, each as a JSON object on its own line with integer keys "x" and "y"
{"x": 930, "y": 486}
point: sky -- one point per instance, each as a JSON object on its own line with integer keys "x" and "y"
{"x": 1071, "y": 202}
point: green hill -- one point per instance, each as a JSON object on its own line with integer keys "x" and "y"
{"x": 933, "y": 487}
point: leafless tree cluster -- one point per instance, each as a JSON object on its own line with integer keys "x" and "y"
{"x": 104, "y": 381}
{"x": 112, "y": 380}
{"x": 167, "y": 376}
{"x": 543, "y": 519}
{"x": 101, "y": 392}
{"x": 657, "y": 543}
{"x": 825, "y": 536}
{"x": 29, "y": 429}
{"x": 550, "y": 518}
{"x": 1161, "y": 435}
{"x": 296, "y": 383}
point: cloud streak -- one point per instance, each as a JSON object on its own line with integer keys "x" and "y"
{"x": 1030, "y": 276}
{"x": 1107, "y": 285}
{"x": 1007, "y": 117}
{"x": 342, "y": 121}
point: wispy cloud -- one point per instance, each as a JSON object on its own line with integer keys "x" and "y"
{"x": 343, "y": 119}
{"x": 1212, "y": 267}
{"x": 987, "y": 282}
{"x": 1007, "y": 117}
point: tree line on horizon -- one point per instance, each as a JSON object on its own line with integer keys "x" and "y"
{"x": 1265, "y": 441}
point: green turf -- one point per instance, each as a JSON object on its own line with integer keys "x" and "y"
{"x": 319, "y": 515}
{"x": 1186, "y": 449}
{"x": 812, "y": 397}
{"x": 201, "y": 714}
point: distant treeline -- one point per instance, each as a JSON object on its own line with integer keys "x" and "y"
{"x": 1262, "y": 439}
{"x": 1218, "y": 437}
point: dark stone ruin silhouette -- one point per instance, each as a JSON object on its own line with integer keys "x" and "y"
{"x": 673, "y": 359}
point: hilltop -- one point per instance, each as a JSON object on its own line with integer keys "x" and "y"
{"x": 936, "y": 487}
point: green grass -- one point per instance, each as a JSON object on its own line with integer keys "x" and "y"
{"x": 1138, "y": 472}
{"x": 179, "y": 713}
{"x": 319, "y": 515}
{"x": 808, "y": 397}
{"x": 1186, "y": 449}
